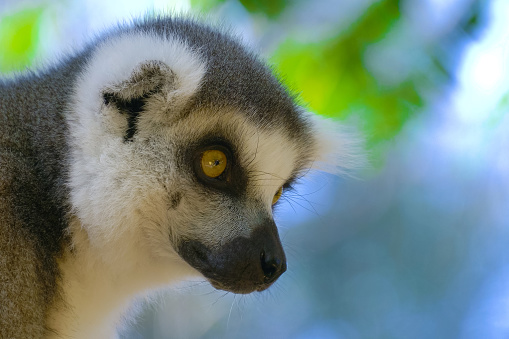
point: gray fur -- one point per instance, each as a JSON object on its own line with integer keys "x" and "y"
{"x": 33, "y": 201}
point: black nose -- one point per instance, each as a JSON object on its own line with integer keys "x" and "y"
{"x": 272, "y": 266}
{"x": 243, "y": 264}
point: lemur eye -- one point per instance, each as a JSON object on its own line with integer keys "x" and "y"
{"x": 277, "y": 195}
{"x": 213, "y": 163}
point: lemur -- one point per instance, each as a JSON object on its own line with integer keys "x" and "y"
{"x": 154, "y": 154}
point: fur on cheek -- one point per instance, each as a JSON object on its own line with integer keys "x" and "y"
{"x": 109, "y": 193}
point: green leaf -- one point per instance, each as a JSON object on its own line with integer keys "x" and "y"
{"x": 271, "y": 8}
{"x": 19, "y": 38}
{"x": 205, "y": 5}
{"x": 334, "y": 81}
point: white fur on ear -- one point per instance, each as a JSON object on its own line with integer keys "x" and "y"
{"x": 114, "y": 61}
{"x": 339, "y": 148}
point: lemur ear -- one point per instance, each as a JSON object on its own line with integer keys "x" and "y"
{"x": 149, "y": 79}
{"x": 135, "y": 82}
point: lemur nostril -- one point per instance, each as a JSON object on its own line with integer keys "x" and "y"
{"x": 272, "y": 267}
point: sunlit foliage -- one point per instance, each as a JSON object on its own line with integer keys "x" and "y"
{"x": 19, "y": 34}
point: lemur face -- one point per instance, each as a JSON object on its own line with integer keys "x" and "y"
{"x": 205, "y": 186}
{"x": 235, "y": 174}
{"x": 181, "y": 151}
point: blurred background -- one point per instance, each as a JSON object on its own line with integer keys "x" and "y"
{"x": 415, "y": 248}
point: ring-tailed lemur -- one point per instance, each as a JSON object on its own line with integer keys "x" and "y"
{"x": 154, "y": 154}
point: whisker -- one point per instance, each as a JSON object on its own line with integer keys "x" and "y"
{"x": 290, "y": 203}
{"x": 313, "y": 192}
{"x": 307, "y": 209}
{"x": 230, "y": 313}
{"x": 220, "y": 297}
{"x": 267, "y": 173}
{"x": 256, "y": 151}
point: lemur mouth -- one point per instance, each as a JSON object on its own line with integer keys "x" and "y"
{"x": 238, "y": 289}
{"x": 243, "y": 265}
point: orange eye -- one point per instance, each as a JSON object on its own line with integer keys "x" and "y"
{"x": 277, "y": 195}
{"x": 213, "y": 163}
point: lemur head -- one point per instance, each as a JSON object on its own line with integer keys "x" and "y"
{"x": 183, "y": 142}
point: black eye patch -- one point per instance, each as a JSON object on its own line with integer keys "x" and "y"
{"x": 221, "y": 180}
{"x": 232, "y": 180}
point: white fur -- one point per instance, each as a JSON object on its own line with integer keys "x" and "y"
{"x": 339, "y": 149}
{"x": 270, "y": 157}
{"x": 98, "y": 292}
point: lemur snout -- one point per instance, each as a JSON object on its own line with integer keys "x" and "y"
{"x": 244, "y": 264}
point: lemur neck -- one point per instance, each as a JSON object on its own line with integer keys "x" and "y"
{"x": 98, "y": 285}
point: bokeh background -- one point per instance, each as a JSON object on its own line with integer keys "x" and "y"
{"x": 415, "y": 248}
